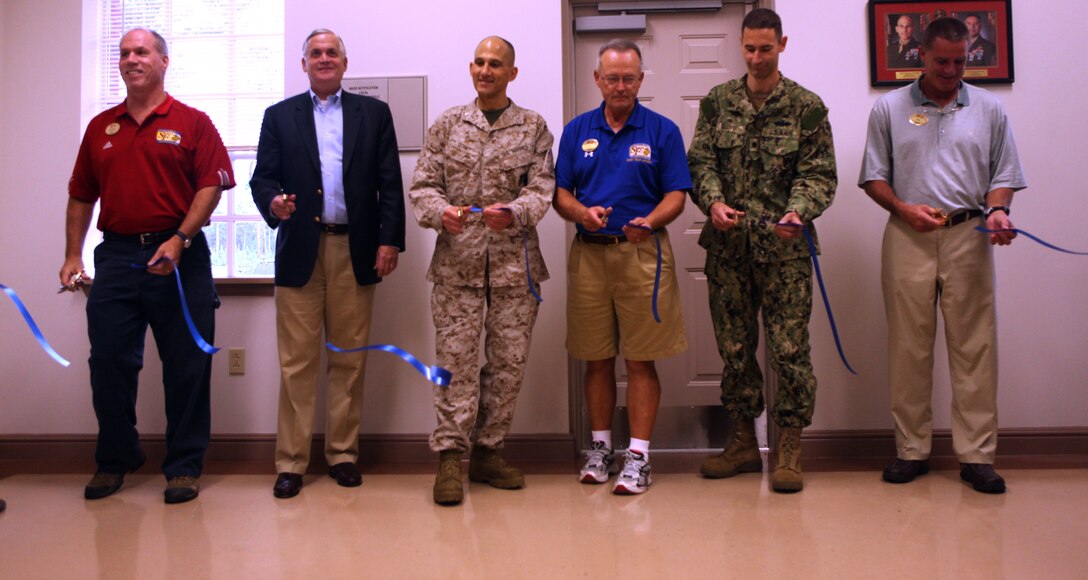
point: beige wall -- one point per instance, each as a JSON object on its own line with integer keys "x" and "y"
{"x": 1043, "y": 316}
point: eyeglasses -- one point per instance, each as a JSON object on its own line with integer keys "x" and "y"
{"x": 612, "y": 80}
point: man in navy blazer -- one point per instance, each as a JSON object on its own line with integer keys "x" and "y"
{"x": 328, "y": 178}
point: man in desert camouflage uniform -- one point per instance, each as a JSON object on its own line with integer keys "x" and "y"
{"x": 762, "y": 156}
{"x": 484, "y": 180}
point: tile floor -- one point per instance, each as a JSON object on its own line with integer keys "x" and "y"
{"x": 843, "y": 525}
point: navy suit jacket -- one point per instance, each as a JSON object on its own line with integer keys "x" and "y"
{"x": 288, "y": 162}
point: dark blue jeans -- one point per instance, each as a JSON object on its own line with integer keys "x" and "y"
{"x": 123, "y": 301}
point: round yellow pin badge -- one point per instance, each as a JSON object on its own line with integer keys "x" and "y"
{"x": 918, "y": 119}
{"x": 589, "y": 145}
{"x": 113, "y": 128}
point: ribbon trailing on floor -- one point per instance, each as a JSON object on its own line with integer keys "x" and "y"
{"x": 1037, "y": 240}
{"x": 823, "y": 290}
{"x": 525, "y": 244}
{"x": 33, "y": 326}
{"x": 199, "y": 340}
{"x": 435, "y": 374}
{"x": 657, "y": 272}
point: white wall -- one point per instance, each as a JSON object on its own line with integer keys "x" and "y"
{"x": 1044, "y": 318}
{"x": 1042, "y": 311}
{"x": 42, "y": 74}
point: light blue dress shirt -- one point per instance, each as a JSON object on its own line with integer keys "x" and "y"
{"x": 329, "y": 123}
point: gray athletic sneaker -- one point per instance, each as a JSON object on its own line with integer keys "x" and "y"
{"x": 600, "y": 464}
{"x": 635, "y": 477}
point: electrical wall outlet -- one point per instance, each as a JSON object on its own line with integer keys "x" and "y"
{"x": 237, "y": 361}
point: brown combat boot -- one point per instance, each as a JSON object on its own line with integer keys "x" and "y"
{"x": 787, "y": 471}
{"x": 485, "y": 466}
{"x": 740, "y": 456}
{"x": 448, "y": 489}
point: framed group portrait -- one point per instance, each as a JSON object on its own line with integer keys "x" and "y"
{"x": 895, "y": 39}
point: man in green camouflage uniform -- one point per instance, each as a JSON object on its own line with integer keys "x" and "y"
{"x": 484, "y": 179}
{"x": 762, "y": 156}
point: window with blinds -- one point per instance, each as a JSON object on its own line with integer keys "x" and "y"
{"x": 226, "y": 59}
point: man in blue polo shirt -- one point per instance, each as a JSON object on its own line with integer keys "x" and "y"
{"x": 621, "y": 177}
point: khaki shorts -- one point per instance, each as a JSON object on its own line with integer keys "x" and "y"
{"x": 609, "y": 302}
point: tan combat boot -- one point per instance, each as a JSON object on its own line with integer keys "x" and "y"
{"x": 740, "y": 456}
{"x": 448, "y": 489}
{"x": 787, "y": 471}
{"x": 485, "y": 466}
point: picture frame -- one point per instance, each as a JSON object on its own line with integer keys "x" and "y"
{"x": 895, "y": 36}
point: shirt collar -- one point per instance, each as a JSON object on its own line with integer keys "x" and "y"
{"x": 162, "y": 109}
{"x": 637, "y": 118}
{"x": 332, "y": 100}
{"x": 919, "y": 98}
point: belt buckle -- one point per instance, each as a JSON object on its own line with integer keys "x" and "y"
{"x": 147, "y": 239}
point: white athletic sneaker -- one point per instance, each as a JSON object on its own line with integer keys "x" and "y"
{"x": 600, "y": 464}
{"x": 635, "y": 477}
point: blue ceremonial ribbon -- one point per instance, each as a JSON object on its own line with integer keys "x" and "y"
{"x": 657, "y": 272}
{"x": 199, "y": 340}
{"x": 823, "y": 290}
{"x": 435, "y": 374}
{"x": 1041, "y": 242}
{"x": 33, "y": 326}
{"x": 525, "y": 244}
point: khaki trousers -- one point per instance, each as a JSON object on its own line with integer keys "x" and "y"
{"x": 951, "y": 268}
{"x": 330, "y": 307}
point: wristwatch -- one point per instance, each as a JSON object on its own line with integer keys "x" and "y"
{"x": 989, "y": 211}
{"x": 184, "y": 238}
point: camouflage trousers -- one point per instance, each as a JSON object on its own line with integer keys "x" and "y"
{"x": 739, "y": 289}
{"x": 478, "y": 405}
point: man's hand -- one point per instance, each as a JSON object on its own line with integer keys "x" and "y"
{"x": 453, "y": 219}
{"x": 724, "y": 217}
{"x": 172, "y": 249}
{"x": 498, "y": 216}
{"x": 594, "y": 218}
{"x": 999, "y": 220}
{"x": 283, "y": 206}
{"x": 638, "y": 230}
{"x": 71, "y": 270}
{"x": 386, "y": 260}
{"x": 922, "y": 218}
{"x": 789, "y": 232}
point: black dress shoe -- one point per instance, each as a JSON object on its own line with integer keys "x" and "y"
{"x": 982, "y": 477}
{"x": 905, "y": 470}
{"x": 287, "y": 485}
{"x": 346, "y": 474}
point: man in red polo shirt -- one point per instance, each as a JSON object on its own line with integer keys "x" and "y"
{"x": 158, "y": 168}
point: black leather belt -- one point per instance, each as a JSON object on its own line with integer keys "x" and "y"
{"x": 600, "y": 239}
{"x": 148, "y": 239}
{"x": 958, "y": 217}
{"x": 334, "y": 229}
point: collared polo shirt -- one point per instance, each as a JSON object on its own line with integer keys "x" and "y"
{"x": 146, "y": 176}
{"x": 947, "y": 158}
{"x": 629, "y": 171}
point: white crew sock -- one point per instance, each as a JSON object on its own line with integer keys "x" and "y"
{"x": 640, "y": 445}
{"x": 605, "y": 436}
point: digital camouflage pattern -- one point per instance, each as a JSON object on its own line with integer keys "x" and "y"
{"x": 478, "y": 405}
{"x": 479, "y": 274}
{"x": 765, "y": 163}
{"x": 738, "y": 289}
{"x": 468, "y": 162}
